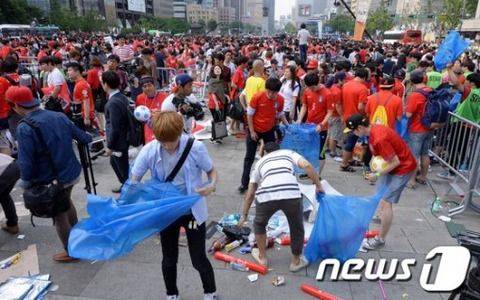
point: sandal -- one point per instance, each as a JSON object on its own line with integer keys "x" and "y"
{"x": 421, "y": 181}
{"x": 256, "y": 255}
{"x": 411, "y": 185}
{"x": 355, "y": 163}
{"x": 348, "y": 168}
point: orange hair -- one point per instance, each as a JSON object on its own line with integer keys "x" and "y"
{"x": 167, "y": 126}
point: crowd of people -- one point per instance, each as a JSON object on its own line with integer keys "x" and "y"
{"x": 354, "y": 93}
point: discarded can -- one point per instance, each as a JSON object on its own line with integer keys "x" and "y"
{"x": 232, "y": 245}
{"x": 239, "y": 267}
{"x": 278, "y": 280}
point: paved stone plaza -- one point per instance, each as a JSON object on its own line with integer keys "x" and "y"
{"x": 138, "y": 276}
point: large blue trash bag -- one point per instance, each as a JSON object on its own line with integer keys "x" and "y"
{"x": 340, "y": 226}
{"x": 449, "y": 50}
{"x": 115, "y": 227}
{"x": 402, "y": 128}
{"x": 303, "y": 139}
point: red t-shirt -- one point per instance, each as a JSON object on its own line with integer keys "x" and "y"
{"x": 393, "y": 106}
{"x": 83, "y": 93}
{"x": 385, "y": 142}
{"x": 93, "y": 78}
{"x": 4, "y": 85}
{"x": 353, "y": 93}
{"x": 5, "y": 51}
{"x": 317, "y": 103}
{"x": 336, "y": 99}
{"x": 416, "y": 106}
{"x": 398, "y": 88}
{"x": 154, "y": 104}
{"x": 41, "y": 54}
{"x": 266, "y": 110}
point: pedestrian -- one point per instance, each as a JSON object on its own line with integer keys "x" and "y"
{"x": 303, "y": 36}
{"x": 400, "y": 167}
{"x": 9, "y": 174}
{"x": 161, "y": 157}
{"x": 335, "y": 123}
{"x": 45, "y": 154}
{"x": 264, "y": 110}
{"x": 290, "y": 91}
{"x": 274, "y": 186}
{"x": 117, "y": 126}
{"x": 82, "y": 106}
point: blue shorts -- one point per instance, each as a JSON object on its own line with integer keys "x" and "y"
{"x": 420, "y": 143}
{"x": 323, "y": 144}
{"x": 350, "y": 141}
{"x": 393, "y": 185}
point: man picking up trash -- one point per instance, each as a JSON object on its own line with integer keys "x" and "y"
{"x": 274, "y": 186}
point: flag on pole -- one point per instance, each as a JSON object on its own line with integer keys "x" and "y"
{"x": 363, "y": 7}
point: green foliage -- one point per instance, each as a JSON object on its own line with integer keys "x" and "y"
{"x": 18, "y": 12}
{"x": 249, "y": 28}
{"x": 341, "y": 23}
{"x": 236, "y": 25}
{"x": 290, "y": 28}
{"x": 69, "y": 20}
{"x": 471, "y": 8}
{"x": 379, "y": 19}
{"x": 451, "y": 16}
{"x": 172, "y": 25}
{"x": 211, "y": 25}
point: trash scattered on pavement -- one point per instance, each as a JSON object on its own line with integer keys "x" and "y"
{"x": 445, "y": 218}
{"x": 278, "y": 280}
{"x": 21, "y": 236}
{"x": 26, "y": 288}
{"x": 245, "y": 250}
{"x": 238, "y": 267}
{"x": 233, "y": 245}
{"x": 253, "y": 277}
{"x": 251, "y": 265}
{"x": 317, "y": 293}
{"x": 229, "y": 220}
{"x": 24, "y": 263}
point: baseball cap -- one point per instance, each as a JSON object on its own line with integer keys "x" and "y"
{"x": 183, "y": 79}
{"x": 354, "y": 121}
{"x": 340, "y": 76}
{"x": 329, "y": 81}
{"x": 400, "y": 74}
{"x": 22, "y": 96}
{"x": 312, "y": 64}
{"x": 417, "y": 76}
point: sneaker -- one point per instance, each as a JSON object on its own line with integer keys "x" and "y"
{"x": 446, "y": 175}
{"x": 374, "y": 243}
{"x": 338, "y": 159}
{"x": 210, "y": 296}
{"x": 173, "y": 297}
{"x": 302, "y": 264}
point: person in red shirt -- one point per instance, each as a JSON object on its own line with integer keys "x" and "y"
{"x": 43, "y": 52}
{"x": 399, "y": 87}
{"x": 263, "y": 111}
{"x": 10, "y": 77}
{"x": 237, "y": 86}
{"x": 420, "y": 136}
{"x": 354, "y": 98}
{"x": 318, "y": 105}
{"x": 335, "y": 124}
{"x": 392, "y": 104}
{"x": 5, "y": 50}
{"x": 400, "y": 167}
{"x": 82, "y": 94}
{"x": 152, "y": 99}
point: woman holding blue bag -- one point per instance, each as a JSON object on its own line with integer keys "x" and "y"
{"x": 175, "y": 157}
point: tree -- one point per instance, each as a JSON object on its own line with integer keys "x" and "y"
{"x": 211, "y": 25}
{"x": 380, "y": 19}
{"x": 290, "y": 28}
{"x": 451, "y": 16}
{"x": 341, "y": 23}
{"x": 236, "y": 25}
{"x": 18, "y": 12}
{"x": 470, "y": 8}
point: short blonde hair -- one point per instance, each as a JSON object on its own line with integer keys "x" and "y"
{"x": 167, "y": 126}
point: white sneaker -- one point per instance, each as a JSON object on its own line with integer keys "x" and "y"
{"x": 173, "y": 297}
{"x": 211, "y": 296}
{"x": 338, "y": 159}
{"x": 373, "y": 243}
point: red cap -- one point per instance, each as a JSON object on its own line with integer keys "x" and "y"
{"x": 22, "y": 96}
{"x": 312, "y": 64}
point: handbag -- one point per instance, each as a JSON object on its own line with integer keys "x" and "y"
{"x": 219, "y": 128}
{"x": 235, "y": 110}
{"x": 42, "y": 200}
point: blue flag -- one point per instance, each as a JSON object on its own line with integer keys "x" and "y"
{"x": 451, "y": 48}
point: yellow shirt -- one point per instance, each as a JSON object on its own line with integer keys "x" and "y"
{"x": 253, "y": 85}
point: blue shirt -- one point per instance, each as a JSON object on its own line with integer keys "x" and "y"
{"x": 151, "y": 158}
{"x": 57, "y": 131}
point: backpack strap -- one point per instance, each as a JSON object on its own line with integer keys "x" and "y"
{"x": 181, "y": 161}
{"x": 11, "y": 80}
{"x": 423, "y": 92}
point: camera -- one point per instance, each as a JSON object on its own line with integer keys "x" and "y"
{"x": 189, "y": 109}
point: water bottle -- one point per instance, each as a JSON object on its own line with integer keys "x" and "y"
{"x": 238, "y": 267}
{"x": 437, "y": 205}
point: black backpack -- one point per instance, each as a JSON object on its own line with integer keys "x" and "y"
{"x": 135, "y": 135}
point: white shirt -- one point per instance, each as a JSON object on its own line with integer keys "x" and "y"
{"x": 168, "y": 105}
{"x": 55, "y": 78}
{"x": 288, "y": 94}
{"x": 275, "y": 175}
{"x": 279, "y": 57}
{"x": 303, "y": 36}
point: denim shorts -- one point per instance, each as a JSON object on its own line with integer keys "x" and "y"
{"x": 420, "y": 143}
{"x": 350, "y": 141}
{"x": 393, "y": 186}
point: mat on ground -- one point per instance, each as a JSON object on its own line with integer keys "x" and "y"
{"x": 340, "y": 226}
{"x": 116, "y": 226}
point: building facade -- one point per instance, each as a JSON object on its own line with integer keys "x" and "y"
{"x": 197, "y": 12}
{"x": 180, "y": 9}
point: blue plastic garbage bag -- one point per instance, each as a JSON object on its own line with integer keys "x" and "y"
{"x": 402, "y": 128}
{"x": 455, "y": 101}
{"x": 303, "y": 139}
{"x": 115, "y": 227}
{"x": 340, "y": 226}
{"x": 451, "y": 48}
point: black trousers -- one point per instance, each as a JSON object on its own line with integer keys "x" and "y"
{"x": 120, "y": 166}
{"x": 196, "y": 248}
{"x": 268, "y": 136}
{"x": 7, "y": 181}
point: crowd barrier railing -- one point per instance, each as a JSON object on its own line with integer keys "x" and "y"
{"x": 457, "y": 147}
{"x": 167, "y": 76}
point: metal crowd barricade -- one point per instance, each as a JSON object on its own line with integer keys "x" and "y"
{"x": 457, "y": 147}
{"x": 167, "y": 76}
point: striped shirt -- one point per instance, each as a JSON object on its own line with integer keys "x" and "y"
{"x": 275, "y": 175}
{"x": 124, "y": 52}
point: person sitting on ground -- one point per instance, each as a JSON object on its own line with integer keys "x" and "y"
{"x": 275, "y": 191}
